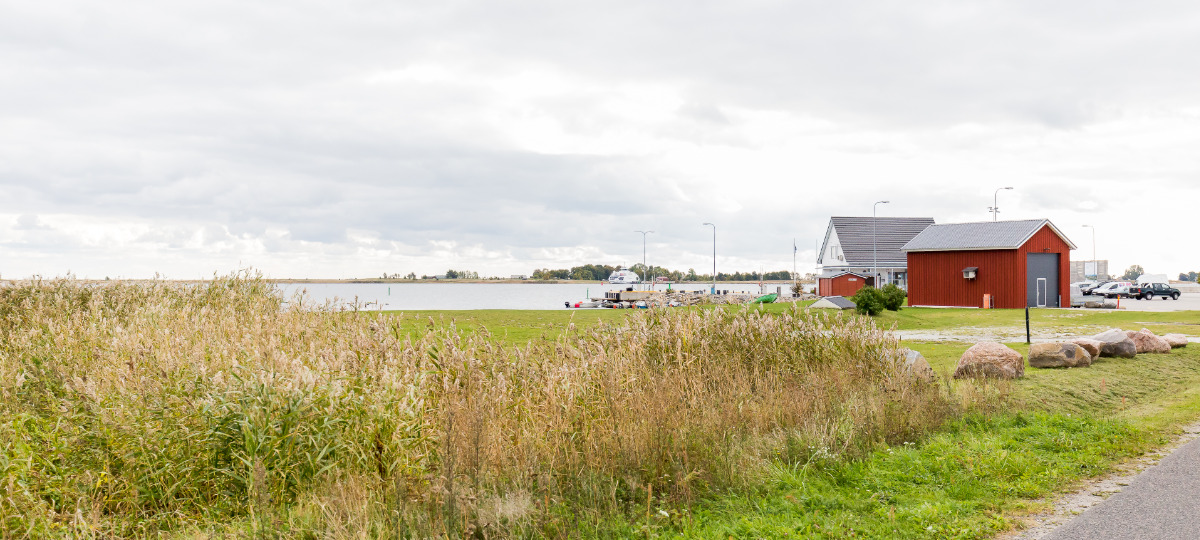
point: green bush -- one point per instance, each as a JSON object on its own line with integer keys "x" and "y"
{"x": 868, "y": 301}
{"x": 893, "y": 297}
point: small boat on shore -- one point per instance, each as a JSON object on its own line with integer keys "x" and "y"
{"x": 765, "y": 299}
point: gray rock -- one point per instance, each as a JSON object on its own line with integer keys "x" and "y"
{"x": 1058, "y": 355}
{"x": 1176, "y": 340}
{"x": 916, "y": 365}
{"x": 990, "y": 359}
{"x": 1115, "y": 344}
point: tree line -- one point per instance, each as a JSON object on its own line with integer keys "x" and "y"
{"x": 1136, "y": 271}
{"x": 602, "y": 271}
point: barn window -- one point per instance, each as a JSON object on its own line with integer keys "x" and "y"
{"x": 970, "y": 271}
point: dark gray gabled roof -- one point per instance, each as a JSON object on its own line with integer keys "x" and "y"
{"x": 840, "y": 301}
{"x": 889, "y": 233}
{"x": 831, "y": 275}
{"x": 983, "y": 235}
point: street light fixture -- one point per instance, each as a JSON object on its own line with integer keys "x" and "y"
{"x": 714, "y": 285}
{"x": 1095, "y": 267}
{"x": 995, "y": 202}
{"x": 645, "y": 269}
{"x": 874, "y": 252}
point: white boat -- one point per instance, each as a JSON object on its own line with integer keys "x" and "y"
{"x": 624, "y": 276}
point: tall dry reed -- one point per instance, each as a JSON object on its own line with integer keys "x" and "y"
{"x": 135, "y": 409}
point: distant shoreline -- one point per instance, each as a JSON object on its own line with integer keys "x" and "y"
{"x": 333, "y": 281}
{"x": 503, "y": 281}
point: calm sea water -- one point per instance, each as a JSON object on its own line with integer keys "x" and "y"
{"x": 416, "y": 296}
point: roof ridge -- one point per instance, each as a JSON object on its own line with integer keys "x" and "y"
{"x": 981, "y": 235}
{"x": 986, "y": 222}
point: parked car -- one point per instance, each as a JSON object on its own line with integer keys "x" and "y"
{"x": 1150, "y": 290}
{"x": 1113, "y": 289}
{"x": 1094, "y": 285}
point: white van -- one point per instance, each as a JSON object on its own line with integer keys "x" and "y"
{"x": 1113, "y": 289}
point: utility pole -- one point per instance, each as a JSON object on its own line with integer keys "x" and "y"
{"x": 874, "y": 251}
{"x": 645, "y": 269}
{"x": 714, "y": 285}
{"x": 795, "y": 273}
{"x": 995, "y": 202}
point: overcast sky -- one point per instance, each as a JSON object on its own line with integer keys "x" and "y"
{"x": 349, "y": 139}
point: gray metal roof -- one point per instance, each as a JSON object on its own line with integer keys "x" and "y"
{"x": 981, "y": 235}
{"x": 839, "y": 273}
{"x": 840, "y": 301}
{"x": 889, "y": 234}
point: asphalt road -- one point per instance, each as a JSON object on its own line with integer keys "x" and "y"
{"x": 1162, "y": 502}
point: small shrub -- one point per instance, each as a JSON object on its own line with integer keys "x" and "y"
{"x": 868, "y": 301}
{"x": 893, "y": 297}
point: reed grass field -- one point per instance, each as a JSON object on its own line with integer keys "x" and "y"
{"x": 134, "y": 410}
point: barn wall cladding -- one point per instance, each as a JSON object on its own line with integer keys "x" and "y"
{"x": 846, "y": 284}
{"x": 936, "y": 277}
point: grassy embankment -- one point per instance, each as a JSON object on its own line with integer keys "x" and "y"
{"x": 141, "y": 410}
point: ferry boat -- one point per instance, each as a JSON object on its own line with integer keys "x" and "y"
{"x": 624, "y": 276}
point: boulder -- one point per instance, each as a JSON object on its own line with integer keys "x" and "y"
{"x": 990, "y": 359}
{"x": 1099, "y": 304}
{"x": 1054, "y": 355}
{"x": 1090, "y": 345}
{"x": 1147, "y": 342}
{"x": 1176, "y": 340}
{"x": 1114, "y": 343}
{"x": 916, "y": 365}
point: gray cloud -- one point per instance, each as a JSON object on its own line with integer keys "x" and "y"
{"x": 292, "y": 125}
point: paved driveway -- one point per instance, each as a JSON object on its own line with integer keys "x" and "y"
{"x": 1187, "y": 301}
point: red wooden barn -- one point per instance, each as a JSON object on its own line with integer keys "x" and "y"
{"x": 1016, "y": 263}
{"x": 842, "y": 284}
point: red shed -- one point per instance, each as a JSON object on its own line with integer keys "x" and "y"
{"x": 1016, "y": 263}
{"x": 841, "y": 284}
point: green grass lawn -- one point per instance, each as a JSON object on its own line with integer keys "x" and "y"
{"x": 519, "y": 326}
{"x": 981, "y": 474}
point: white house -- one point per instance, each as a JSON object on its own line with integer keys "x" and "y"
{"x": 870, "y": 245}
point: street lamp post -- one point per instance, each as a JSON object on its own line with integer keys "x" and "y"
{"x": 874, "y": 251}
{"x": 1095, "y": 266}
{"x": 995, "y": 202}
{"x": 645, "y": 269}
{"x": 714, "y": 285}
{"x": 795, "y": 274}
